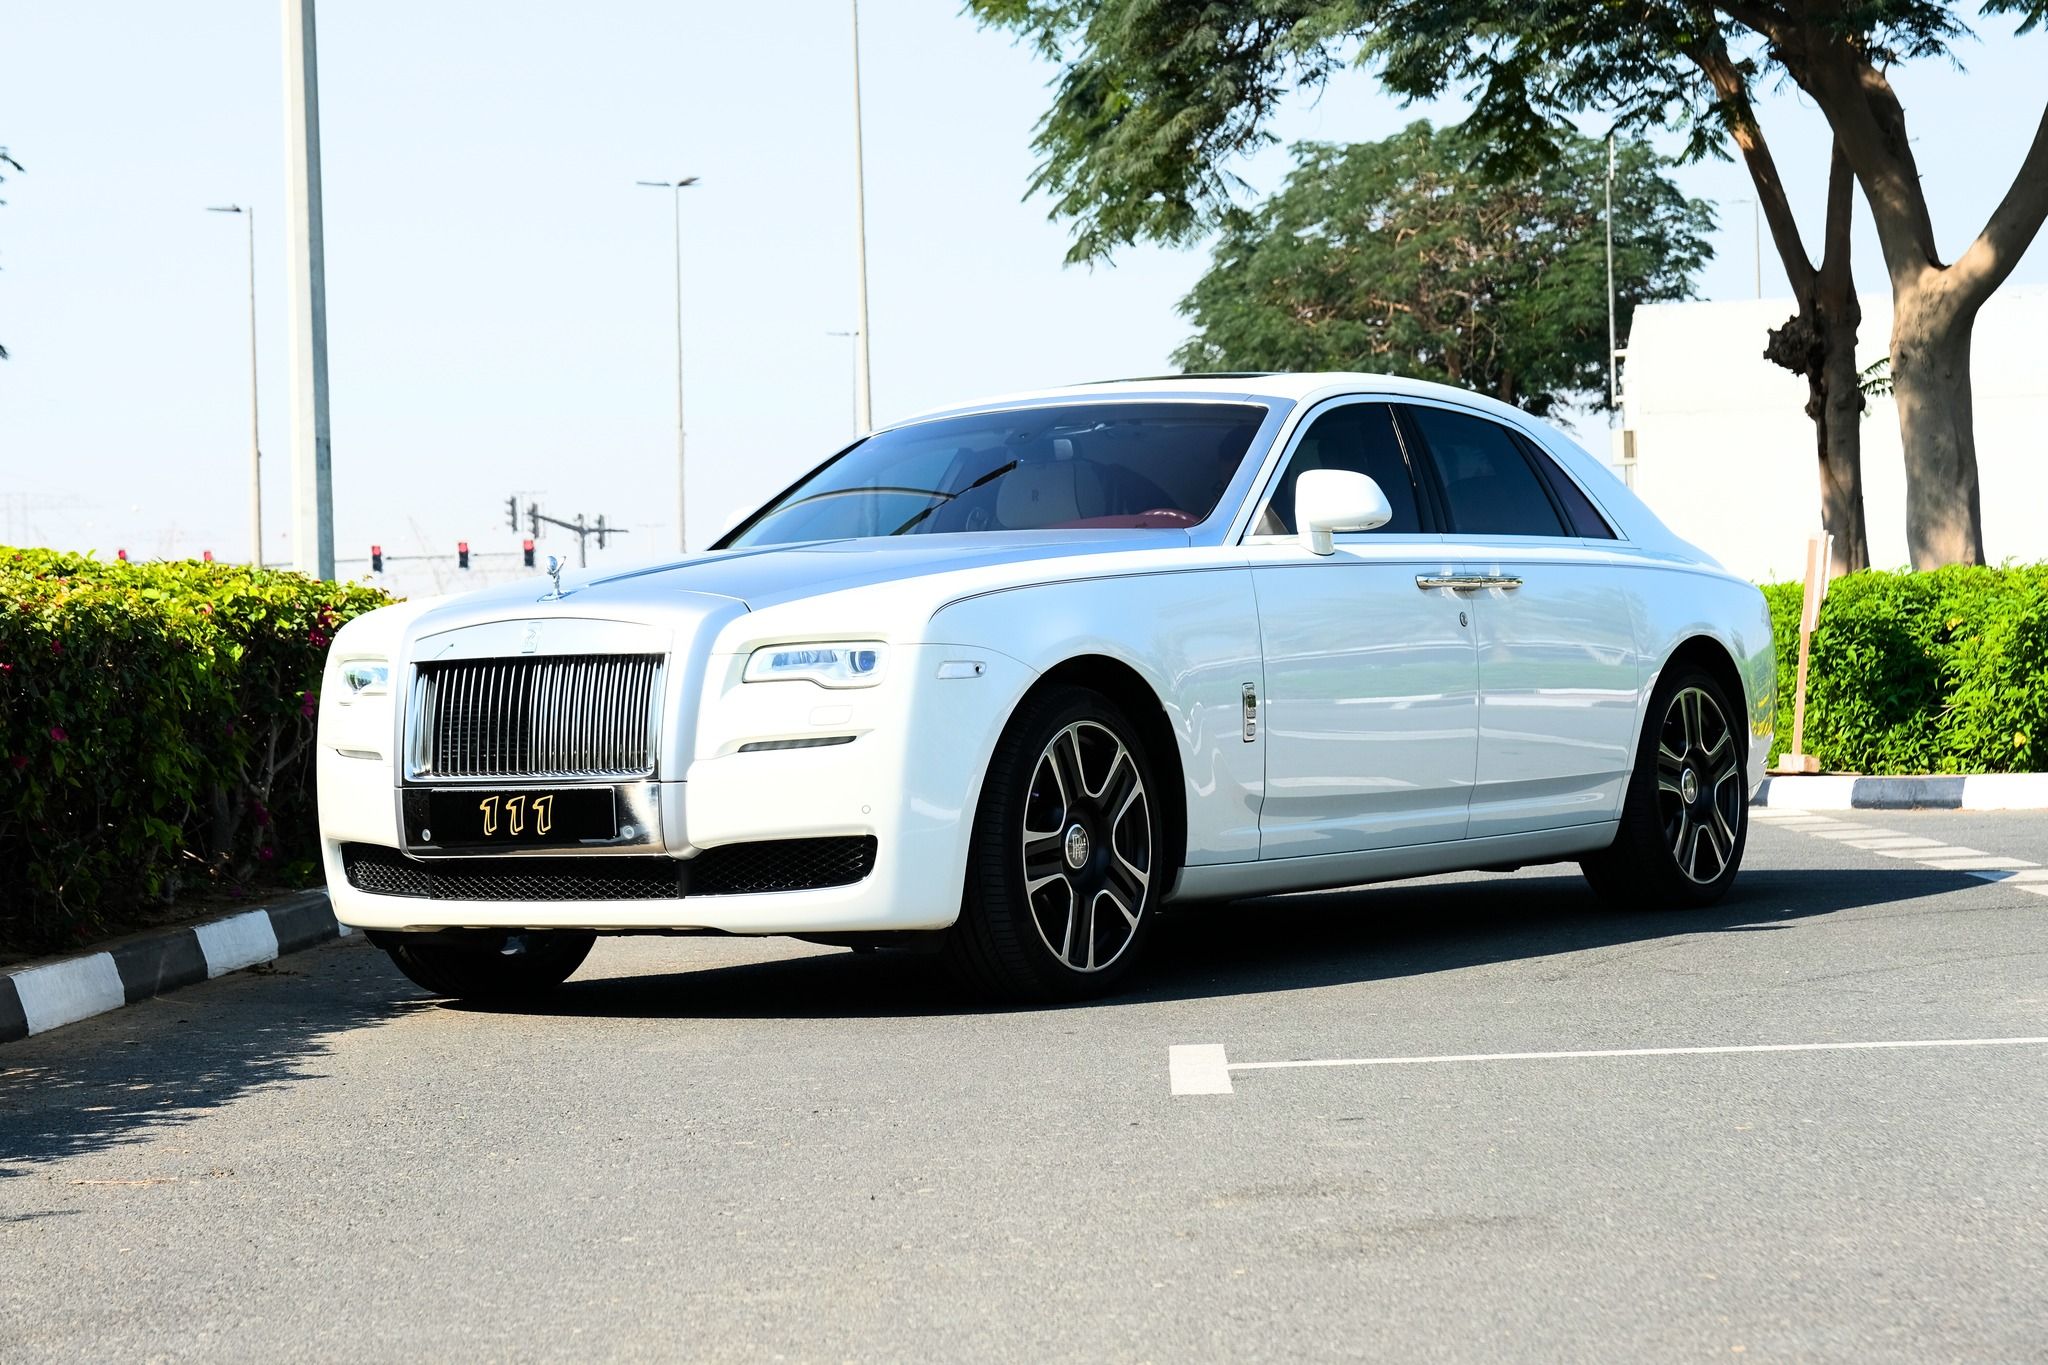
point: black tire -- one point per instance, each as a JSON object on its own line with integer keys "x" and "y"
{"x": 1019, "y": 936}
{"x": 1685, "y": 820}
{"x": 509, "y": 969}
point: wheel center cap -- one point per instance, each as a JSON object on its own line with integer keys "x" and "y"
{"x": 1688, "y": 786}
{"x": 1076, "y": 846}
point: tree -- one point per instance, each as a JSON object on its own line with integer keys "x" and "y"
{"x": 1398, "y": 256}
{"x": 1157, "y": 96}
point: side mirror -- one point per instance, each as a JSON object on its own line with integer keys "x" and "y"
{"x": 1327, "y": 500}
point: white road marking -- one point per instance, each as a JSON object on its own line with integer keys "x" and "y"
{"x": 1972, "y": 864}
{"x": 1197, "y": 1069}
{"x": 1884, "y": 1045}
{"x": 2024, "y": 874}
{"x": 1896, "y": 841}
{"x": 1921, "y": 855}
{"x": 1861, "y": 832}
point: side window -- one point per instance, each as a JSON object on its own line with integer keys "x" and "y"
{"x": 1579, "y": 511}
{"x": 1359, "y": 437}
{"x": 1489, "y": 485}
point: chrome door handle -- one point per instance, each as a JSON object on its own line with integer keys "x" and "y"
{"x": 1466, "y": 582}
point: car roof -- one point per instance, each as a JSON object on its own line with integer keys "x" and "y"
{"x": 1287, "y": 387}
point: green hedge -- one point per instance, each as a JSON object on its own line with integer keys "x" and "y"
{"x": 1939, "y": 672}
{"x": 156, "y": 727}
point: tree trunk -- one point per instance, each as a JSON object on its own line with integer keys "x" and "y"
{"x": 1836, "y": 406}
{"x": 1820, "y": 343}
{"x": 1931, "y": 386}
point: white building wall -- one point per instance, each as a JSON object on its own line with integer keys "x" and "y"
{"x": 1725, "y": 451}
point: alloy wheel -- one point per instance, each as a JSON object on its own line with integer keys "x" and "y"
{"x": 1699, "y": 785}
{"x": 1087, "y": 846}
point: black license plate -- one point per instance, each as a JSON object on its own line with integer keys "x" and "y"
{"x": 511, "y": 817}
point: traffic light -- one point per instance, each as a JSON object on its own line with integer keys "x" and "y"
{"x": 533, "y": 519}
{"x": 512, "y": 512}
{"x": 376, "y": 559}
{"x": 600, "y": 531}
{"x": 526, "y": 548}
{"x": 461, "y": 554}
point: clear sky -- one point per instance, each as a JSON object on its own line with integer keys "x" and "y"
{"x": 499, "y": 289}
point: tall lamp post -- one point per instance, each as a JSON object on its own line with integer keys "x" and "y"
{"x": 676, "y": 188}
{"x": 863, "y": 403}
{"x": 1756, "y": 240}
{"x": 305, "y": 260}
{"x": 255, "y": 429}
{"x": 859, "y": 426}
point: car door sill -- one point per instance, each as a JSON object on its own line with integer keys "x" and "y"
{"x": 1320, "y": 871}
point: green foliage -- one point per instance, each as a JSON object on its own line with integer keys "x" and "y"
{"x": 156, "y": 723}
{"x": 1156, "y": 98}
{"x": 1399, "y": 257}
{"x": 1938, "y": 672}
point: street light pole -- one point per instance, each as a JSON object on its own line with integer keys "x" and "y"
{"x": 1613, "y": 382}
{"x": 255, "y": 428}
{"x": 676, "y": 188}
{"x": 306, "y": 277}
{"x": 858, "y": 429}
{"x": 863, "y": 403}
{"x": 1756, "y": 240}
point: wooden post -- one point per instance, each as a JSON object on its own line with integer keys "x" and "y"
{"x": 1818, "y": 551}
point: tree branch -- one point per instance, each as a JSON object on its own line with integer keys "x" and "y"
{"x": 2010, "y": 229}
{"x": 1710, "y": 55}
{"x": 1870, "y": 128}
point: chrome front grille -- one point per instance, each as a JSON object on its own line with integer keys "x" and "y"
{"x": 561, "y": 716}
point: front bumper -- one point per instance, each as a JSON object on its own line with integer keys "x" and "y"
{"x": 909, "y": 781}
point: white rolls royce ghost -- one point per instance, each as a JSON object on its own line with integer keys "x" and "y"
{"x": 1010, "y": 679}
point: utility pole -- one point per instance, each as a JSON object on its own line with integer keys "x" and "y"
{"x": 676, "y": 188}
{"x": 306, "y": 275}
{"x": 255, "y": 428}
{"x": 863, "y": 400}
{"x": 1613, "y": 382}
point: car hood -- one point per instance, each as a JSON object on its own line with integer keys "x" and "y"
{"x": 771, "y": 574}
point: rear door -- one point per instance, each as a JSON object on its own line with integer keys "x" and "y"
{"x": 1553, "y": 623}
{"x": 1370, "y": 718}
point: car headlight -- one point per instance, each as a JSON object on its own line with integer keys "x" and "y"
{"x": 858, "y": 664}
{"x": 365, "y": 678}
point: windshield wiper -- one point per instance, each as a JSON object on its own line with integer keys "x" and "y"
{"x": 944, "y": 498}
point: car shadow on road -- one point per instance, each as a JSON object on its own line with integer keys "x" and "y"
{"x": 1275, "y": 943}
{"x": 126, "y": 1077}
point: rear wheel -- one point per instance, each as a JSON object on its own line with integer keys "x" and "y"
{"x": 1685, "y": 820}
{"x": 506, "y": 969}
{"x": 1065, "y": 865}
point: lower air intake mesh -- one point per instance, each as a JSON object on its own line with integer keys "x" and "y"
{"x": 731, "y": 869}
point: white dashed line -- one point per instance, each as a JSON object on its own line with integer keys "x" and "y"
{"x": 1928, "y": 853}
{"x": 1987, "y": 861}
{"x": 1206, "y": 1069}
{"x": 1197, "y": 1069}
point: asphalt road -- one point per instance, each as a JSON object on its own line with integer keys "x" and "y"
{"x": 724, "y": 1149}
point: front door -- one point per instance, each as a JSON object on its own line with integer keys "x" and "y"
{"x": 1371, "y": 714}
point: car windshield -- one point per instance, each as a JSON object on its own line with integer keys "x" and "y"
{"x": 1073, "y": 466}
